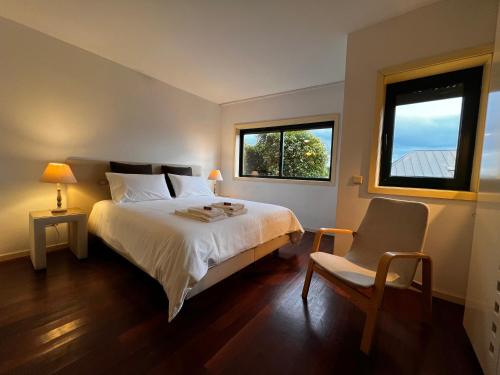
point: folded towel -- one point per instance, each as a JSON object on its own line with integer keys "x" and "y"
{"x": 228, "y": 206}
{"x": 237, "y": 213}
{"x": 194, "y": 216}
{"x": 207, "y": 211}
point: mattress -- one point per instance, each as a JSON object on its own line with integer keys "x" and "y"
{"x": 178, "y": 251}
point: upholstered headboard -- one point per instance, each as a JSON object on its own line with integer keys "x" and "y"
{"x": 92, "y": 185}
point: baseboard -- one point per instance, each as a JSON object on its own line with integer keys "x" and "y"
{"x": 449, "y": 297}
{"x": 25, "y": 253}
{"x": 444, "y": 296}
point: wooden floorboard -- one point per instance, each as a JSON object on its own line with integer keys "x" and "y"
{"x": 103, "y": 315}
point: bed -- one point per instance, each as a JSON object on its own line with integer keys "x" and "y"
{"x": 184, "y": 255}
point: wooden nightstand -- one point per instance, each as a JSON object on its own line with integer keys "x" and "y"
{"x": 77, "y": 220}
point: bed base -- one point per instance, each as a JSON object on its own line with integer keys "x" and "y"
{"x": 232, "y": 265}
{"x": 225, "y": 269}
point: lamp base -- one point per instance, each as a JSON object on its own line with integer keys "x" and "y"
{"x": 59, "y": 210}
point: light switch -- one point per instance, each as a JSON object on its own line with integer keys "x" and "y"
{"x": 357, "y": 180}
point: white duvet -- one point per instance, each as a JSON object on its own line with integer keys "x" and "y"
{"x": 178, "y": 251}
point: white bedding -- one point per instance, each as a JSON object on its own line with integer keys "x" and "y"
{"x": 178, "y": 251}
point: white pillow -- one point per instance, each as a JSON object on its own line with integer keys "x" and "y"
{"x": 137, "y": 187}
{"x": 190, "y": 186}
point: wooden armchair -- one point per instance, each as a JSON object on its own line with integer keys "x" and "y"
{"x": 385, "y": 252}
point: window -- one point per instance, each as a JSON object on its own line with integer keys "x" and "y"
{"x": 429, "y": 131}
{"x": 298, "y": 152}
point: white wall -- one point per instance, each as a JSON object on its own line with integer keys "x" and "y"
{"x": 430, "y": 31}
{"x": 314, "y": 205}
{"x": 58, "y": 101}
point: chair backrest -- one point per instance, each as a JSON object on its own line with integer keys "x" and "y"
{"x": 390, "y": 225}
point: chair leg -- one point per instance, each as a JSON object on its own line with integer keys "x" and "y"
{"x": 427, "y": 289}
{"x": 307, "y": 281}
{"x": 371, "y": 320}
{"x": 369, "y": 330}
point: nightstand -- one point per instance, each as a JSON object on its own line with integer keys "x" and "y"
{"x": 77, "y": 221}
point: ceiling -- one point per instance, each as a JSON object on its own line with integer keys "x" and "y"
{"x": 221, "y": 50}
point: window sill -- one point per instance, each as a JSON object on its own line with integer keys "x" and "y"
{"x": 424, "y": 193}
{"x": 285, "y": 181}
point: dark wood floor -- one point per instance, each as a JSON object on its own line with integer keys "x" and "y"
{"x": 103, "y": 315}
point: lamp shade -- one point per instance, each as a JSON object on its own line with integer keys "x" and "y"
{"x": 215, "y": 175}
{"x": 58, "y": 173}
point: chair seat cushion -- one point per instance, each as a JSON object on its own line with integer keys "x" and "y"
{"x": 349, "y": 271}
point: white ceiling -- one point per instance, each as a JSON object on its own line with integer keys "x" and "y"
{"x": 222, "y": 50}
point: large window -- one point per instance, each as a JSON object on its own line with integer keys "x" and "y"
{"x": 429, "y": 131}
{"x": 299, "y": 151}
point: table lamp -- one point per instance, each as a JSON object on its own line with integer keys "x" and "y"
{"x": 215, "y": 175}
{"x": 58, "y": 173}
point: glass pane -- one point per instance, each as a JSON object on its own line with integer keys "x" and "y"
{"x": 307, "y": 153}
{"x": 261, "y": 154}
{"x": 425, "y": 138}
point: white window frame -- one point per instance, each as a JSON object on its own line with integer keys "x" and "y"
{"x": 335, "y": 117}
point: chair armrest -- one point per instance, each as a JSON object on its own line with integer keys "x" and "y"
{"x": 322, "y": 231}
{"x": 388, "y": 257}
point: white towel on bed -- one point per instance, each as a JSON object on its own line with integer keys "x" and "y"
{"x": 236, "y": 213}
{"x": 199, "y": 217}
{"x": 211, "y": 212}
{"x": 228, "y": 206}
